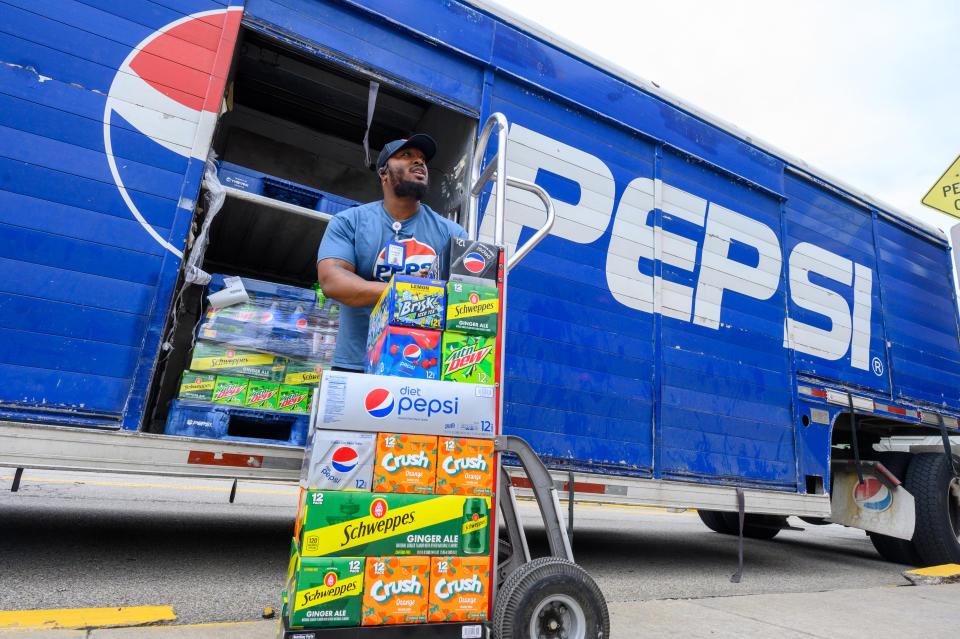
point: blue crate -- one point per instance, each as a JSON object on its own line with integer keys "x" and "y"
{"x": 240, "y": 177}
{"x": 190, "y": 418}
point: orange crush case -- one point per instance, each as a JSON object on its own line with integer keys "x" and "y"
{"x": 395, "y": 590}
{"x": 464, "y": 466}
{"x": 459, "y": 588}
{"x": 405, "y": 464}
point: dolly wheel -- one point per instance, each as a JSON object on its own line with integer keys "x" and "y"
{"x": 550, "y": 598}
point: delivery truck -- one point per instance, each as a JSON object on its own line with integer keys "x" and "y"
{"x": 710, "y": 324}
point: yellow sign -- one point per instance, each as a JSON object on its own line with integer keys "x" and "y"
{"x": 945, "y": 194}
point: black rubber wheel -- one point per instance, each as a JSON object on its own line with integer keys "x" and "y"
{"x": 754, "y": 526}
{"x": 937, "y": 497}
{"x": 717, "y": 522}
{"x": 893, "y": 549}
{"x": 550, "y": 598}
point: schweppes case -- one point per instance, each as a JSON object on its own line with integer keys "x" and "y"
{"x": 300, "y": 371}
{"x": 472, "y": 308}
{"x": 342, "y": 524}
{"x": 325, "y": 592}
{"x": 195, "y": 385}
{"x": 227, "y": 360}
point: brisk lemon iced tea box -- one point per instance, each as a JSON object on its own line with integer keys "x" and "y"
{"x": 261, "y": 395}
{"x": 230, "y": 390}
{"x": 294, "y": 399}
{"x": 227, "y": 360}
{"x": 405, "y": 464}
{"x": 416, "y": 302}
{"x": 459, "y": 588}
{"x": 468, "y": 358}
{"x": 396, "y": 590}
{"x": 355, "y": 524}
{"x": 464, "y": 466}
{"x": 325, "y": 592}
{"x": 198, "y": 386}
{"x": 472, "y": 308}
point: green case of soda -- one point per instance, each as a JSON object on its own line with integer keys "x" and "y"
{"x": 472, "y": 308}
{"x": 294, "y": 399}
{"x": 324, "y": 592}
{"x": 468, "y": 358}
{"x": 262, "y": 395}
{"x": 340, "y": 524}
{"x": 198, "y": 386}
{"x": 229, "y": 360}
{"x": 230, "y": 390}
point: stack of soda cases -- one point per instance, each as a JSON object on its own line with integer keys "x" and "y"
{"x": 266, "y": 352}
{"x": 395, "y": 528}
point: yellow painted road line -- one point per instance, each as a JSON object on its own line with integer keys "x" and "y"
{"x": 85, "y": 617}
{"x": 944, "y": 570}
{"x": 26, "y": 480}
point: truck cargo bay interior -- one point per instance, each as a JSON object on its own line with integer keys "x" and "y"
{"x": 303, "y": 120}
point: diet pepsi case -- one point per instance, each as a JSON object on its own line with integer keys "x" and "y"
{"x": 339, "y": 460}
{"x": 353, "y": 401}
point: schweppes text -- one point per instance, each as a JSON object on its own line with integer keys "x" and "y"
{"x": 362, "y": 531}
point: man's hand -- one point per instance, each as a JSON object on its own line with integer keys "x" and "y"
{"x": 339, "y": 280}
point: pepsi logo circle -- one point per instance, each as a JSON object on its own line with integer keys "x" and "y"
{"x": 411, "y": 352}
{"x": 378, "y": 508}
{"x": 379, "y": 403}
{"x": 474, "y": 262}
{"x": 872, "y": 495}
{"x": 330, "y": 579}
{"x": 344, "y": 459}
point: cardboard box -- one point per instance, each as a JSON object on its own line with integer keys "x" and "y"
{"x": 229, "y": 360}
{"x": 469, "y": 261}
{"x": 459, "y": 588}
{"x": 396, "y": 590}
{"x": 230, "y": 390}
{"x": 302, "y": 372}
{"x": 469, "y": 358}
{"x": 352, "y": 524}
{"x": 262, "y": 395}
{"x": 326, "y": 592}
{"x": 410, "y": 301}
{"x": 198, "y": 386}
{"x": 294, "y": 399}
{"x": 472, "y": 308}
{"x": 465, "y": 466}
{"x": 339, "y": 460}
{"x": 404, "y": 352}
{"x": 405, "y": 464}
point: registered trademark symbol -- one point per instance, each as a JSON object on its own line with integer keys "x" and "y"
{"x": 877, "y": 366}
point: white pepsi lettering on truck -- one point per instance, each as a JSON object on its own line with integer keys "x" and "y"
{"x": 635, "y": 245}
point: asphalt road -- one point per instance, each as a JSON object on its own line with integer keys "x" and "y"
{"x": 93, "y": 540}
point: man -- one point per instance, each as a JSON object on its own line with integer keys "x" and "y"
{"x": 352, "y": 263}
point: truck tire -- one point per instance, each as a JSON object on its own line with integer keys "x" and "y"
{"x": 893, "y": 549}
{"x": 937, "y": 496}
{"x": 549, "y": 598}
{"x": 754, "y": 526}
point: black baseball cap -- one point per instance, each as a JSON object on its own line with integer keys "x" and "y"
{"x": 420, "y": 141}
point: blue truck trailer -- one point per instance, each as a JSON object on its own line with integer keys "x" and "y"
{"x": 708, "y": 315}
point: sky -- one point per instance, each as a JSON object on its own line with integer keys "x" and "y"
{"x": 867, "y": 92}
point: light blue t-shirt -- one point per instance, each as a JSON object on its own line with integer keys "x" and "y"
{"x": 359, "y": 235}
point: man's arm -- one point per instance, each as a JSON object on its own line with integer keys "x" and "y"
{"x": 339, "y": 280}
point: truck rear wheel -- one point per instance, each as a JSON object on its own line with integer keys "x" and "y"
{"x": 936, "y": 492}
{"x": 754, "y": 526}
{"x": 550, "y": 598}
{"x": 893, "y": 549}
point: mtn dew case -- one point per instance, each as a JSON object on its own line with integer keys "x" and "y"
{"x": 294, "y": 399}
{"x": 416, "y": 302}
{"x": 405, "y": 464}
{"x": 396, "y": 590}
{"x": 472, "y": 308}
{"x": 372, "y": 403}
{"x": 339, "y": 460}
{"x": 229, "y": 360}
{"x": 230, "y": 390}
{"x": 350, "y": 524}
{"x": 464, "y": 466}
{"x": 326, "y": 592}
{"x": 262, "y": 395}
{"x": 459, "y": 588}
{"x": 199, "y": 386}
{"x": 468, "y": 358}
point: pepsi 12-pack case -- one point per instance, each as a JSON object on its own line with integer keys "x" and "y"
{"x": 339, "y": 460}
{"x": 469, "y": 261}
{"x": 405, "y": 352}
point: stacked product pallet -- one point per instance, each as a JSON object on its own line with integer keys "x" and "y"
{"x": 257, "y": 358}
{"x": 395, "y": 527}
